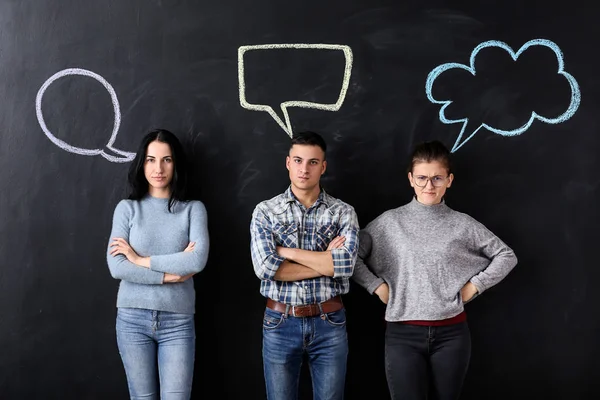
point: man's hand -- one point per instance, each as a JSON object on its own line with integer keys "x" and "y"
{"x": 383, "y": 291}
{"x": 467, "y": 292}
{"x": 282, "y": 251}
{"x": 337, "y": 243}
{"x": 320, "y": 261}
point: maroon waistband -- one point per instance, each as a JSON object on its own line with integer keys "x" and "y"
{"x": 462, "y": 317}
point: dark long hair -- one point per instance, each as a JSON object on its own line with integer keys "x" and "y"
{"x": 137, "y": 180}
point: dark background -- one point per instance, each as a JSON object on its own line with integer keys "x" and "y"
{"x": 173, "y": 64}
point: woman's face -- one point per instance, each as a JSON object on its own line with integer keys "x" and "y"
{"x": 430, "y": 181}
{"x": 158, "y": 168}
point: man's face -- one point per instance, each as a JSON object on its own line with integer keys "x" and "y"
{"x": 306, "y": 164}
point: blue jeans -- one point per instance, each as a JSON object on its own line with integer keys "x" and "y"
{"x": 426, "y": 362}
{"x": 285, "y": 341}
{"x": 157, "y": 349}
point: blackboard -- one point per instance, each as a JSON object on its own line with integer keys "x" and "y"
{"x": 176, "y": 65}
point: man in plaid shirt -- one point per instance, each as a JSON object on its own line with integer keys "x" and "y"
{"x": 304, "y": 245}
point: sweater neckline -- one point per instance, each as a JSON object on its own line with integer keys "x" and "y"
{"x": 432, "y": 210}
{"x": 156, "y": 200}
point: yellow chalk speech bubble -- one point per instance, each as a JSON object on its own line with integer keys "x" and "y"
{"x": 287, "y": 126}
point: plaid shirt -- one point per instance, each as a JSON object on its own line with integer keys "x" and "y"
{"x": 284, "y": 221}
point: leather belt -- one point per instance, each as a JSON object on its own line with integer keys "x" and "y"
{"x": 308, "y": 310}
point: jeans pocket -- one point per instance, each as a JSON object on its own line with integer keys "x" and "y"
{"x": 336, "y": 318}
{"x": 272, "y": 319}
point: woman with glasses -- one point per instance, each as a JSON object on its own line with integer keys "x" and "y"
{"x": 425, "y": 261}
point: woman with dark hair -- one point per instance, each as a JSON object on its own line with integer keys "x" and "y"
{"x": 159, "y": 240}
{"x": 425, "y": 261}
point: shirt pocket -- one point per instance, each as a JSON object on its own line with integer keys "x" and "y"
{"x": 325, "y": 235}
{"x": 286, "y": 235}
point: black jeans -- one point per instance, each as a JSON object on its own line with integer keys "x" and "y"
{"x": 426, "y": 362}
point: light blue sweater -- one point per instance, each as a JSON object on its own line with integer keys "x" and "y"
{"x": 151, "y": 230}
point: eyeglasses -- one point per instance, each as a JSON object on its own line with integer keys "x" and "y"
{"x": 436, "y": 181}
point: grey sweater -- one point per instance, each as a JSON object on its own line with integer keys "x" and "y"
{"x": 426, "y": 254}
{"x": 151, "y": 230}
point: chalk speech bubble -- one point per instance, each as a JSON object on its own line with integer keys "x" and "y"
{"x": 573, "y": 105}
{"x": 287, "y": 126}
{"x": 122, "y": 156}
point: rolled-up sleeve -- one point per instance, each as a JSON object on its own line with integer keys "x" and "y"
{"x": 344, "y": 258}
{"x": 263, "y": 249}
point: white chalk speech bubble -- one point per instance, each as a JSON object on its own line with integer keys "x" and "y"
{"x": 123, "y": 156}
{"x": 287, "y": 126}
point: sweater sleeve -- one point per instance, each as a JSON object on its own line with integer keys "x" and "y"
{"x": 187, "y": 262}
{"x": 502, "y": 258}
{"x": 119, "y": 266}
{"x": 362, "y": 274}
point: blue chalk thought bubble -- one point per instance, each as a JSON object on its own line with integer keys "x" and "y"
{"x": 436, "y": 72}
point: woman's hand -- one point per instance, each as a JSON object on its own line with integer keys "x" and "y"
{"x": 172, "y": 278}
{"x": 383, "y": 291}
{"x": 468, "y": 292}
{"x": 190, "y": 247}
{"x": 120, "y": 246}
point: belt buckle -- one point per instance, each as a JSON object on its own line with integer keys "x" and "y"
{"x": 294, "y": 313}
{"x": 300, "y": 313}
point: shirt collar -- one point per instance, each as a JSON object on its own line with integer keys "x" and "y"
{"x": 289, "y": 197}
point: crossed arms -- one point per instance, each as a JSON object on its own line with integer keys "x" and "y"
{"x": 125, "y": 264}
{"x": 272, "y": 262}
